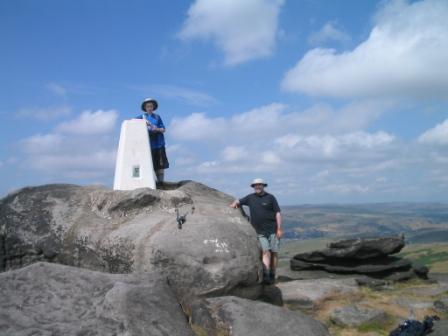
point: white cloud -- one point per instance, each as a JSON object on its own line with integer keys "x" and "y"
{"x": 345, "y": 188}
{"x": 317, "y": 154}
{"x": 57, "y": 89}
{"x": 437, "y": 135}
{"x": 42, "y": 143}
{"x": 81, "y": 149}
{"x": 234, "y": 153}
{"x": 91, "y": 164}
{"x": 197, "y": 126}
{"x": 243, "y": 30}
{"x": 45, "y": 114}
{"x": 90, "y": 122}
{"x": 273, "y": 120}
{"x": 332, "y": 146}
{"x": 404, "y": 56}
{"x": 185, "y": 95}
{"x": 329, "y": 33}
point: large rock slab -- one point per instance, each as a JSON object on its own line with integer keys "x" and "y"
{"x": 355, "y": 316}
{"x": 384, "y": 266}
{"x": 308, "y": 294}
{"x": 367, "y": 256}
{"x": 440, "y": 328}
{"x": 50, "y": 299}
{"x": 358, "y": 249}
{"x": 240, "y": 317}
{"x": 94, "y": 227}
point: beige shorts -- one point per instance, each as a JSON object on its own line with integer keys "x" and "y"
{"x": 269, "y": 243}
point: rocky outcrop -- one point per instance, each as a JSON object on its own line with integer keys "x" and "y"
{"x": 308, "y": 294}
{"x": 355, "y": 316}
{"x": 235, "y": 316}
{"x": 368, "y": 256}
{"x": 93, "y": 227}
{"x": 51, "y": 299}
{"x": 440, "y": 328}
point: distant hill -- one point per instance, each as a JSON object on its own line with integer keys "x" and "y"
{"x": 420, "y": 222}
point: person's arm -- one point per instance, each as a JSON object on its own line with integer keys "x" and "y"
{"x": 278, "y": 217}
{"x": 237, "y": 203}
{"x": 148, "y": 123}
{"x": 160, "y": 126}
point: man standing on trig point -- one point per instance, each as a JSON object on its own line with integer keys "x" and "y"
{"x": 156, "y": 128}
{"x": 266, "y": 219}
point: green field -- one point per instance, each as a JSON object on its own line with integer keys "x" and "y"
{"x": 434, "y": 256}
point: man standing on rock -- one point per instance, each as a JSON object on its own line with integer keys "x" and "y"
{"x": 156, "y": 129}
{"x": 266, "y": 219}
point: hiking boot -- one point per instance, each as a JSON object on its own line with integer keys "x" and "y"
{"x": 272, "y": 277}
{"x": 266, "y": 279}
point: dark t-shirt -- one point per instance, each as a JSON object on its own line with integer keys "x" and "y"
{"x": 263, "y": 209}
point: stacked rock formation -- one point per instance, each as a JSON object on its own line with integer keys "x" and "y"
{"x": 366, "y": 256}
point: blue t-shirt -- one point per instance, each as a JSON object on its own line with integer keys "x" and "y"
{"x": 156, "y": 139}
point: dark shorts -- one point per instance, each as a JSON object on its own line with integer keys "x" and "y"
{"x": 159, "y": 159}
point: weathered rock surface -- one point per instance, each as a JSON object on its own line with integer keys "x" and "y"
{"x": 413, "y": 304}
{"x": 307, "y": 294}
{"x": 240, "y": 317}
{"x": 133, "y": 231}
{"x": 365, "y": 248}
{"x": 368, "y": 256}
{"x": 440, "y": 328}
{"x": 50, "y": 299}
{"x": 370, "y": 282}
{"x": 354, "y": 316}
{"x": 441, "y": 305}
{"x": 383, "y": 265}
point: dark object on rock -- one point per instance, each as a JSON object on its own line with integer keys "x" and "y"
{"x": 230, "y": 315}
{"x": 51, "y": 299}
{"x": 415, "y": 328}
{"x": 100, "y": 229}
{"x": 181, "y": 219}
{"x": 368, "y": 256}
{"x": 421, "y": 271}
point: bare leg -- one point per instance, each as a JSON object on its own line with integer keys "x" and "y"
{"x": 266, "y": 266}
{"x": 267, "y": 260}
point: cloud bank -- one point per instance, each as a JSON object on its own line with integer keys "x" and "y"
{"x": 243, "y": 30}
{"x": 404, "y": 56}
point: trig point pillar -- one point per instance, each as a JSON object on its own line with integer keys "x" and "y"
{"x": 134, "y": 168}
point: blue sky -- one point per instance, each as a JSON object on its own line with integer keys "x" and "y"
{"x": 329, "y": 101}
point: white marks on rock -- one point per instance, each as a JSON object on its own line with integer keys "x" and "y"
{"x": 220, "y": 247}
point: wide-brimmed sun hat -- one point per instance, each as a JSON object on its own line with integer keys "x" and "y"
{"x": 258, "y": 181}
{"x": 150, "y": 100}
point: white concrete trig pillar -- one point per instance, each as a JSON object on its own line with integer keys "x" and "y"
{"x": 134, "y": 167}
